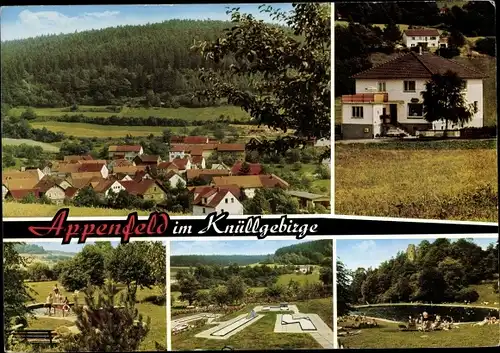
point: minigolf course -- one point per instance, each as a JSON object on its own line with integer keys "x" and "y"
{"x": 285, "y": 323}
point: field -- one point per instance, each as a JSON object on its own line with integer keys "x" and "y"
{"x": 259, "y": 335}
{"x": 283, "y": 280}
{"x": 417, "y": 180}
{"x": 189, "y": 114}
{"x": 16, "y": 209}
{"x": 157, "y": 313}
{"x": 486, "y": 293}
{"x": 47, "y": 147}
{"x": 94, "y": 130}
{"x": 387, "y": 335}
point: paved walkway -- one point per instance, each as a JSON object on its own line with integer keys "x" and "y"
{"x": 319, "y": 330}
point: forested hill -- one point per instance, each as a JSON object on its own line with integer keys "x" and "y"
{"x": 221, "y": 260}
{"x": 30, "y": 249}
{"x": 109, "y": 66}
{"x": 312, "y": 252}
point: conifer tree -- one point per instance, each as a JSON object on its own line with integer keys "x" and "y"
{"x": 107, "y": 324}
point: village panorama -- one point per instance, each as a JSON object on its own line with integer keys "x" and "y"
{"x": 127, "y": 125}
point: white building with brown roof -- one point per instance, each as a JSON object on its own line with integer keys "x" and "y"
{"x": 424, "y": 37}
{"x": 388, "y": 96}
{"x": 207, "y": 199}
{"x": 250, "y": 183}
{"x": 128, "y": 152}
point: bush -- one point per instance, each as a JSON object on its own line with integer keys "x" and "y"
{"x": 39, "y": 271}
{"x": 467, "y": 294}
{"x": 486, "y": 46}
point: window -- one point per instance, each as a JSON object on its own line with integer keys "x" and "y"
{"x": 154, "y": 188}
{"x": 415, "y": 110}
{"x": 227, "y": 200}
{"x": 476, "y": 105}
{"x": 357, "y": 112}
{"x": 204, "y": 211}
{"x": 232, "y": 199}
{"x": 433, "y": 38}
{"x": 409, "y": 86}
{"x": 381, "y": 87}
{"x": 413, "y": 45}
{"x": 413, "y": 38}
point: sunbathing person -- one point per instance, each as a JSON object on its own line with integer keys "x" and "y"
{"x": 485, "y": 321}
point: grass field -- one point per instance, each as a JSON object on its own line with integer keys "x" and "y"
{"x": 257, "y": 336}
{"x": 300, "y": 278}
{"x": 16, "y": 142}
{"x": 387, "y": 335}
{"x": 157, "y": 313}
{"x": 94, "y": 130}
{"x": 190, "y": 114}
{"x": 396, "y": 180}
{"x": 17, "y": 209}
{"x": 47, "y": 323}
{"x": 486, "y": 294}
{"x": 323, "y": 307}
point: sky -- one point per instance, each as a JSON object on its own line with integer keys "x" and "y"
{"x": 232, "y": 247}
{"x": 18, "y": 22}
{"x": 372, "y": 252}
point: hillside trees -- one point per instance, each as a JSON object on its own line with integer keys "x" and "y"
{"x": 16, "y": 292}
{"x": 292, "y": 65}
{"x": 131, "y": 65}
{"x": 441, "y": 272}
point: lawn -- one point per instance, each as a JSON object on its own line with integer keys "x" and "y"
{"x": 486, "y": 294}
{"x": 387, "y": 335}
{"x": 47, "y": 323}
{"x": 17, "y": 209}
{"x": 47, "y": 147}
{"x": 283, "y": 280}
{"x": 157, "y": 313}
{"x": 436, "y": 180}
{"x": 94, "y": 130}
{"x": 258, "y": 336}
{"x": 190, "y": 114}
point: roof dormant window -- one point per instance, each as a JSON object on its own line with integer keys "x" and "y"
{"x": 409, "y": 86}
{"x": 357, "y": 112}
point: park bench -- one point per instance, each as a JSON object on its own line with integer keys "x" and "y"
{"x": 36, "y": 336}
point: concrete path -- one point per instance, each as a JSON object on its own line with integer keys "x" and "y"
{"x": 320, "y": 331}
{"x": 314, "y": 326}
{"x": 226, "y": 329}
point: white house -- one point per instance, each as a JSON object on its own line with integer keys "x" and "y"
{"x": 106, "y": 186}
{"x": 177, "y": 151}
{"x": 56, "y": 194}
{"x": 426, "y": 38}
{"x": 214, "y": 199}
{"x": 388, "y": 96}
{"x": 174, "y": 179}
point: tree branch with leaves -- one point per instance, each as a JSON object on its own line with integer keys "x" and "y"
{"x": 290, "y": 69}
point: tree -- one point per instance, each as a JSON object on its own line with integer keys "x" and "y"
{"x": 486, "y": 46}
{"x": 244, "y": 169}
{"x": 444, "y": 100}
{"x": 188, "y": 286}
{"x": 289, "y": 67}
{"x": 392, "y": 32}
{"x": 39, "y": 271}
{"x": 16, "y": 292}
{"x": 129, "y": 264}
{"x": 87, "y": 197}
{"x": 220, "y": 295}
{"x": 236, "y": 289}
{"x": 29, "y": 114}
{"x": 342, "y": 288}
{"x": 105, "y": 325}
{"x": 456, "y": 39}
{"x": 8, "y": 160}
